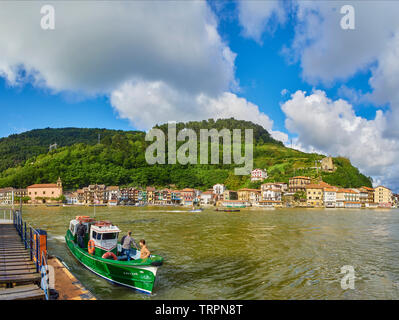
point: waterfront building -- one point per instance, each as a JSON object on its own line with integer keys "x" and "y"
{"x": 206, "y": 197}
{"x": 150, "y": 192}
{"x": 383, "y": 196}
{"x": 230, "y": 195}
{"x": 129, "y": 195}
{"x": 363, "y": 196}
{"x": 298, "y": 184}
{"x": 271, "y": 194}
{"x": 81, "y": 196}
{"x": 234, "y": 203}
{"x": 252, "y": 196}
{"x": 189, "y": 196}
{"x": 219, "y": 188}
{"x": 112, "y": 194}
{"x": 71, "y": 197}
{"x": 330, "y": 197}
{"x": 94, "y": 194}
{"x": 315, "y": 195}
{"x": 370, "y": 198}
{"x": 258, "y": 175}
{"x": 176, "y": 197}
{"x": 6, "y": 196}
{"x": 45, "y": 193}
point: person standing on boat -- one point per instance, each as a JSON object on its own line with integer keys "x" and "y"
{"x": 127, "y": 244}
{"x": 81, "y": 230}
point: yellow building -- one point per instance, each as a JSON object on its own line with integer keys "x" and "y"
{"x": 383, "y": 196}
{"x": 315, "y": 195}
{"x": 250, "y": 195}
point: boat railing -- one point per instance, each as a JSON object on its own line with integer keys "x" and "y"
{"x": 35, "y": 240}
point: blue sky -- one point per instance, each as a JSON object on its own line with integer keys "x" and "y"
{"x": 155, "y": 62}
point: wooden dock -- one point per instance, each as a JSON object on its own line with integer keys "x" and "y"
{"x": 19, "y": 278}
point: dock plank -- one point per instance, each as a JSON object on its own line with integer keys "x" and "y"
{"x": 23, "y": 292}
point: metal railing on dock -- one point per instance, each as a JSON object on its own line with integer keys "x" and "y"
{"x": 35, "y": 240}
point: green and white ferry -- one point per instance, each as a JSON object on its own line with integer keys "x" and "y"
{"x": 102, "y": 255}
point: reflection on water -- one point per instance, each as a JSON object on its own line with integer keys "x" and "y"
{"x": 252, "y": 254}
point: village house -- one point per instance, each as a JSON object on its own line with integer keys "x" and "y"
{"x": 370, "y": 198}
{"x": 363, "y": 196}
{"x": 298, "y": 184}
{"x": 258, "y": 175}
{"x": 94, "y": 194}
{"x": 230, "y": 195}
{"x": 283, "y": 187}
{"x": 6, "y": 196}
{"x": 112, "y": 195}
{"x": 206, "y": 197}
{"x": 330, "y": 197}
{"x": 383, "y": 196}
{"x": 45, "y": 193}
{"x": 315, "y": 195}
{"x": 189, "y": 196}
{"x": 271, "y": 194}
{"x": 218, "y": 190}
{"x": 252, "y": 196}
{"x": 71, "y": 197}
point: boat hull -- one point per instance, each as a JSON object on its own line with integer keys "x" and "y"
{"x": 134, "y": 274}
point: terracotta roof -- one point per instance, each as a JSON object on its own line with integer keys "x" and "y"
{"x": 329, "y": 189}
{"x": 246, "y": 189}
{"x": 314, "y": 186}
{"x": 44, "y": 185}
{"x": 113, "y": 188}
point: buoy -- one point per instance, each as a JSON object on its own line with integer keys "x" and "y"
{"x": 90, "y": 247}
{"x": 109, "y": 255}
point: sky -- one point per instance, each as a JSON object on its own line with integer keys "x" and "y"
{"x": 318, "y": 75}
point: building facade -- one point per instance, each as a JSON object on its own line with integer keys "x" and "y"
{"x": 45, "y": 193}
{"x": 298, "y": 184}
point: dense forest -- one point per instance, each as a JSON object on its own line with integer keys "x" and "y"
{"x": 119, "y": 159}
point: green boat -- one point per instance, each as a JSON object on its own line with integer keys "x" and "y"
{"x": 105, "y": 258}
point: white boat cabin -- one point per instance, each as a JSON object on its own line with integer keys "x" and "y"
{"x": 104, "y": 235}
{"x": 73, "y": 225}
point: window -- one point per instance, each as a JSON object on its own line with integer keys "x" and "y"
{"x": 96, "y": 236}
{"x": 110, "y": 236}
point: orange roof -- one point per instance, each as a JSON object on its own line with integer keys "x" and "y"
{"x": 314, "y": 186}
{"x": 329, "y": 189}
{"x": 246, "y": 189}
{"x": 367, "y": 188}
{"x": 44, "y": 185}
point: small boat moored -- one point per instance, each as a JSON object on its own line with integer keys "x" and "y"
{"x": 102, "y": 255}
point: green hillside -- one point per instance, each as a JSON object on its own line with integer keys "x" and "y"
{"x": 119, "y": 160}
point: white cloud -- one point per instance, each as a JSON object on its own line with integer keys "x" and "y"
{"x": 332, "y": 127}
{"x": 97, "y": 46}
{"x": 256, "y": 16}
{"x": 148, "y": 103}
{"x": 327, "y": 52}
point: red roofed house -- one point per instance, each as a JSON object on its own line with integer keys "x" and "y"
{"x": 45, "y": 193}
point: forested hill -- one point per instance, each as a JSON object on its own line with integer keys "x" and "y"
{"x": 17, "y": 148}
{"x": 119, "y": 159}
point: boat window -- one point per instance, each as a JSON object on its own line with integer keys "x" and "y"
{"x": 96, "y": 236}
{"x": 109, "y": 236}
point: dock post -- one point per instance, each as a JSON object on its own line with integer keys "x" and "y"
{"x": 25, "y": 242}
{"x": 30, "y": 243}
{"x": 37, "y": 253}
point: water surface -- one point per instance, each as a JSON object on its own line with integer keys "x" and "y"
{"x": 252, "y": 254}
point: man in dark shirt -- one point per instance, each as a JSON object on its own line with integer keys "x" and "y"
{"x": 80, "y": 231}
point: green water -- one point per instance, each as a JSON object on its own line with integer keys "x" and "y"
{"x": 252, "y": 254}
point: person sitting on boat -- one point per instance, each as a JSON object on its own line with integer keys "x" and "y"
{"x": 80, "y": 231}
{"x": 144, "y": 252}
{"x": 127, "y": 242}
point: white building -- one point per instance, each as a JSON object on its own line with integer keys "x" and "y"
{"x": 218, "y": 189}
{"x": 71, "y": 197}
{"x": 281, "y": 186}
{"x": 258, "y": 175}
{"x": 206, "y": 198}
{"x": 271, "y": 194}
{"x": 112, "y": 194}
{"x": 330, "y": 197}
